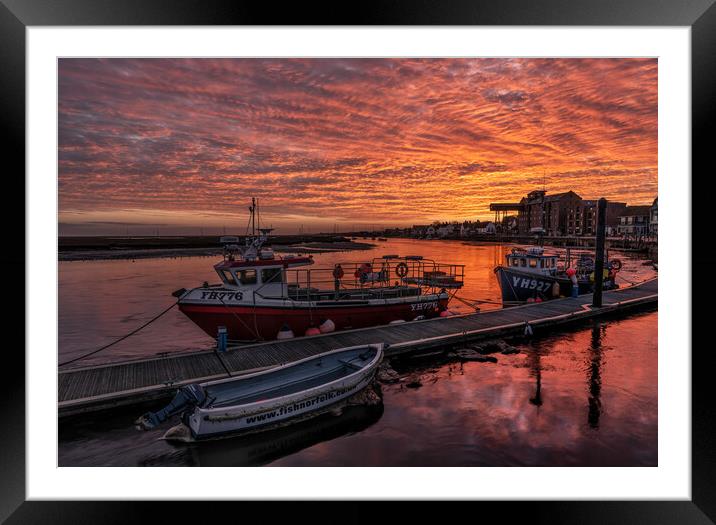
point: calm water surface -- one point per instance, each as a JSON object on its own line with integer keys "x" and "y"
{"x": 587, "y": 396}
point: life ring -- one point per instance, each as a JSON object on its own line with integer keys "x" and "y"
{"x": 615, "y": 264}
{"x": 338, "y": 272}
{"x": 401, "y": 270}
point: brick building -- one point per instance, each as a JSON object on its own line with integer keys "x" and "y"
{"x": 654, "y": 219}
{"x": 547, "y": 213}
{"x": 587, "y": 224}
{"x": 559, "y": 214}
{"x": 634, "y": 221}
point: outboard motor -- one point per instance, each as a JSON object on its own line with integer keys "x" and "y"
{"x": 187, "y": 397}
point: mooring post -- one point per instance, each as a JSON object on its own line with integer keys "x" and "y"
{"x": 599, "y": 256}
{"x": 221, "y": 339}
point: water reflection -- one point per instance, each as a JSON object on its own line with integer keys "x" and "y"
{"x": 114, "y": 441}
{"x": 541, "y": 407}
{"x": 526, "y": 409}
{"x": 536, "y": 372}
{"x": 594, "y": 377}
{"x": 101, "y": 300}
{"x": 266, "y": 447}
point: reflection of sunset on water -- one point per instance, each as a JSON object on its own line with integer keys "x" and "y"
{"x": 480, "y": 414}
{"x": 181, "y": 142}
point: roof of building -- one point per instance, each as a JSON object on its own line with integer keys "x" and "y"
{"x": 558, "y": 196}
{"x": 635, "y": 210}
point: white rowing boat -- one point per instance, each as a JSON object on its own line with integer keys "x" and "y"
{"x": 263, "y": 400}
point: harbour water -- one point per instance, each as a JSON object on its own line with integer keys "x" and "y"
{"x": 587, "y": 396}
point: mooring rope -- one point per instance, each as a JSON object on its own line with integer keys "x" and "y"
{"x": 258, "y": 337}
{"x": 120, "y": 339}
{"x": 630, "y": 282}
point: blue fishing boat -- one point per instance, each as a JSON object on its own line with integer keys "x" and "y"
{"x": 533, "y": 275}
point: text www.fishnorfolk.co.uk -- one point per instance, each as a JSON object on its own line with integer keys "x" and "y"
{"x": 296, "y": 406}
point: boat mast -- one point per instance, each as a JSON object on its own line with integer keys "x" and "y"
{"x": 253, "y": 216}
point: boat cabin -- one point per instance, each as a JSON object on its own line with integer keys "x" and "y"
{"x": 386, "y": 277}
{"x": 532, "y": 260}
{"x": 265, "y": 274}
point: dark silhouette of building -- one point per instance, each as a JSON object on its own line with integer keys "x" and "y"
{"x": 634, "y": 221}
{"x": 587, "y": 224}
{"x": 654, "y": 219}
{"x": 560, "y": 214}
{"x": 548, "y": 214}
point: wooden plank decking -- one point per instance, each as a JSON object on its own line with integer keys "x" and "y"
{"x": 104, "y": 386}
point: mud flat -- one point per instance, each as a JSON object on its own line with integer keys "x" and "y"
{"x": 84, "y": 253}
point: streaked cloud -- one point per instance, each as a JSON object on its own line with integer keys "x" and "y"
{"x": 354, "y": 141}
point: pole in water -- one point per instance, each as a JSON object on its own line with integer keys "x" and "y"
{"x": 599, "y": 256}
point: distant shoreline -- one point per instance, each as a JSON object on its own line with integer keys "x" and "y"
{"x": 127, "y": 252}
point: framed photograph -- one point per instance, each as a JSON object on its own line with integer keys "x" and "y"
{"x": 419, "y": 246}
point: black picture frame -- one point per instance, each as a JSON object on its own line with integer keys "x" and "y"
{"x": 699, "y": 15}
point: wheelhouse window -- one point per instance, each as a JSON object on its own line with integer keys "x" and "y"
{"x": 533, "y": 263}
{"x": 523, "y": 262}
{"x": 246, "y": 276}
{"x": 271, "y": 275}
{"x": 227, "y": 277}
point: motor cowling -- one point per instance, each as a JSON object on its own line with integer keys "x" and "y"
{"x": 187, "y": 397}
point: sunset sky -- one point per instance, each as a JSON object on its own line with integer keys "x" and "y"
{"x": 176, "y": 145}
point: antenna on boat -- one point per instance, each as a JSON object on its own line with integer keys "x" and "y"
{"x": 253, "y": 216}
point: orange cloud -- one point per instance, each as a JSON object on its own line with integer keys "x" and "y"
{"x": 391, "y": 141}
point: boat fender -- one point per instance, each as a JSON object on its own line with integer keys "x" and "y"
{"x": 362, "y": 270}
{"x": 555, "y": 289}
{"x": 401, "y": 270}
{"x": 445, "y": 313}
{"x": 327, "y": 326}
{"x": 397, "y": 321}
{"x": 285, "y": 333}
{"x": 419, "y": 318}
{"x": 338, "y": 272}
{"x": 312, "y": 331}
{"x": 528, "y": 330}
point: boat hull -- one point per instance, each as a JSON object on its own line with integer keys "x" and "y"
{"x": 212, "y": 423}
{"x": 519, "y": 287}
{"x": 263, "y": 322}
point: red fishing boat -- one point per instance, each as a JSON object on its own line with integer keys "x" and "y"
{"x": 263, "y": 296}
